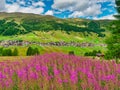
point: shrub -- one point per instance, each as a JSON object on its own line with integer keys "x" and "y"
{"x": 15, "y": 52}
{"x": 32, "y": 51}
{"x": 29, "y": 51}
{"x": 7, "y": 52}
{"x": 36, "y": 51}
{"x": 93, "y": 53}
{"x": 1, "y": 49}
{"x": 71, "y": 53}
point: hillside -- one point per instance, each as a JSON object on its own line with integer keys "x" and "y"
{"x": 41, "y": 28}
{"x": 48, "y": 29}
{"x": 25, "y": 23}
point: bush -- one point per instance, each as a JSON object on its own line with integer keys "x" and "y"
{"x": 36, "y": 51}
{"x": 29, "y": 51}
{"x": 1, "y": 49}
{"x": 32, "y": 51}
{"x": 93, "y": 53}
{"x": 7, "y": 52}
{"x": 71, "y": 53}
{"x": 15, "y": 52}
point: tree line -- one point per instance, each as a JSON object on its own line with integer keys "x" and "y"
{"x": 9, "y": 52}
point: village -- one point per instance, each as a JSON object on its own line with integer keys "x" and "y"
{"x": 8, "y": 43}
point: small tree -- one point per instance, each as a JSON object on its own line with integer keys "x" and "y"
{"x": 93, "y": 25}
{"x": 32, "y": 51}
{"x": 7, "y": 52}
{"x": 71, "y": 53}
{"x": 15, "y": 52}
{"x": 1, "y": 49}
{"x": 36, "y": 50}
{"x": 29, "y": 51}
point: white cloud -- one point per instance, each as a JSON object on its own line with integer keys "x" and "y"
{"x": 71, "y": 5}
{"x": 79, "y": 8}
{"x": 76, "y": 8}
{"x": 16, "y": 7}
{"x": 93, "y": 10}
{"x": 2, "y": 5}
{"x": 76, "y": 14}
{"x": 109, "y": 17}
{"x": 40, "y": 3}
{"x": 49, "y": 12}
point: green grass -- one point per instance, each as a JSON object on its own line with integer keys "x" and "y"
{"x": 80, "y": 51}
{"x": 64, "y": 49}
{"x": 14, "y": 58}
{"x": 54, "y": 36}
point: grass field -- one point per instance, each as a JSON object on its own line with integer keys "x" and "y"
{"x": 14, "y": 58}
{"x": 79, "y": 51}
{"x": 53, "y": 36}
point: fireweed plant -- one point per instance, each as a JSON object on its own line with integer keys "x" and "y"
{"x": 59, "y": 72}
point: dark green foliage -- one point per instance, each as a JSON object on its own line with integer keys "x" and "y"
{"x": 8, "y": 28}
{"x": 2, "y": 22}
{"x": 95, "y": 27}
{"x": 113, "y": 42}
{"x": 29, "y": 51}
{"x": 117, "y": 2}
{"x": 113, "y": 45}
{"x": 86, "y": 54}
{"x": 36, "y": 51}
{"x": 7, "y": 52}
{"x": 117, "y": 8}
{"x": 15, "y": 52}
{"x": 93, "y": 53}
{"x": 1, "y": 49}
{"x": 44, "y": 25}
{"x": 71, "y": 53}
{"x": 32, "y": 51}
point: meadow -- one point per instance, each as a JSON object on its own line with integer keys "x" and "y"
{"x": 58, "y": 71}
{"x": 55, "y": 36}
{"x": 79, "y": 51}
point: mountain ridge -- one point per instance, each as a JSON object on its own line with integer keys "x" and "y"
{"x": 22, "y": 23}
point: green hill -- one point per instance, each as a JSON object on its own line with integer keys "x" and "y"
{"x": 23, "y": 23}
{"x": 32, "y": 27}
{"x": 41, "y": 28}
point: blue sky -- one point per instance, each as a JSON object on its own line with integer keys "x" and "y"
{"x": 90, "y": 9}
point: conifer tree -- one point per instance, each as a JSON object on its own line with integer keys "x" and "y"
{"x": 15, "y": 52}
{"x": 29, "y": 51}
{"x": 113, "y": 42}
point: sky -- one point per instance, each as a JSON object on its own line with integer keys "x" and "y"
{"x": 89, "y": 9}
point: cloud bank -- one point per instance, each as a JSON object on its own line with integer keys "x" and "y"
{"x": 78, "y": 7}
{"x": 20, "y": 6}
{"x": 2, "y": 5}
{"x": 62, "y": 8}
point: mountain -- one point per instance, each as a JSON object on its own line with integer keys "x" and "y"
{"x": 23, "y": 23}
